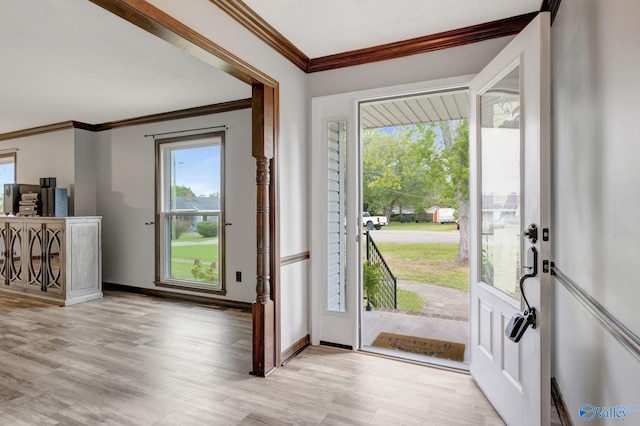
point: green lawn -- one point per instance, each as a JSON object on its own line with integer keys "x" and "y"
{"x": 426, "y": 263}
{"x": 419, "y": 226}
{"x": 192, "y": 237}
{"x": 183, "y": 257}
{"x": 409, "y": 301}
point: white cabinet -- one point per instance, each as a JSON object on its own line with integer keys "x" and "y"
{"x": 58, "y": 259}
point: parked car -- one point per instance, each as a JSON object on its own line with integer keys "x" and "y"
{"x": 445, "y": 215}
{"x": 372, "y": 222}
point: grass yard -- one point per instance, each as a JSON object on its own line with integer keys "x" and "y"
{"x": 409, "y": 301}
{"x": 426, "y": 263}
{"x": 182, "y": 258}
{"x": 418, "y": 226}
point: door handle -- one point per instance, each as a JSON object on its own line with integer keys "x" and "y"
{"x": 523, "y": 320}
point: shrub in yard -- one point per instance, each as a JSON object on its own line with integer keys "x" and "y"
{"x": 207, "y": 228}
{"x": 208, "y": 274}
{"x": 182, "y": 226}
{"x": 372, "y": 283}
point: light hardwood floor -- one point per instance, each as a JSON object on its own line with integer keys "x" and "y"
{"x": 139, "y": 360}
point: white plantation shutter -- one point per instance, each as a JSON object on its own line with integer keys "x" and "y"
{"x": 335, "y": 218}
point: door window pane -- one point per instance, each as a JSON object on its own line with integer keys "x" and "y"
{"x": 501, "y": 183}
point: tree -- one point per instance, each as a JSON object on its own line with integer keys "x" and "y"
{"x": 418, "y": 166}
{"x": 183, "y": 191}
{"x": 393, "y": 175}
{"x": 450, "y": 166}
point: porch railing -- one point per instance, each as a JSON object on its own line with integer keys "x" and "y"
{"x": 388, "y": 297}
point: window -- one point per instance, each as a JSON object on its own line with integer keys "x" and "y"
{"x": 190, "y": 211}
{"x": 7, "y": 173}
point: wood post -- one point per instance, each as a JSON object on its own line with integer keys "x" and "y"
{"x": 263, "y": 309}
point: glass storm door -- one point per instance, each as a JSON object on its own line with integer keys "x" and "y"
{"x": 509, "y": 143}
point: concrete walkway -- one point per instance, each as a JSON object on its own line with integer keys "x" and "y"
{"x": 440, "y": 302}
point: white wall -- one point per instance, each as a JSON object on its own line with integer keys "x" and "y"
{"x": 126, "y": 196}
{"x": 46, "y": 155}
{"x": 595, "y": 108}
{"x": 84, "y": 187}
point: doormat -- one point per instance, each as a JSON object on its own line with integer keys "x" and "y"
{"x": 421, "y": 346}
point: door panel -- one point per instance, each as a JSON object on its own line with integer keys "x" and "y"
{"x": 335, "y": 231}
{"x": 509, "y": 143}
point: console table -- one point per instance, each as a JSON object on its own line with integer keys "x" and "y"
{"x": 55, "y": 259}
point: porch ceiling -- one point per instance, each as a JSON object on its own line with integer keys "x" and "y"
{"x": 425, "y": 108}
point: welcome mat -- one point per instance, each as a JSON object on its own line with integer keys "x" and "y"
{"x": 421, "y": 346}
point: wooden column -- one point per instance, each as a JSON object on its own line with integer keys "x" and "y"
{"x": 263, "y": 310}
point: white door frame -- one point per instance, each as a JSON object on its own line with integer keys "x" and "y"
{"x": 343, "y": 328}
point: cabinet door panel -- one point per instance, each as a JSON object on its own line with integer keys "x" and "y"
{"x": 34, "y": 251}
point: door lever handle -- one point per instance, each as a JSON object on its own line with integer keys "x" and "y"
{"x": 521, "y": 321}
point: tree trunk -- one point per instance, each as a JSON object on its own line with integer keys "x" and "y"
{"x": 463, "y": 218}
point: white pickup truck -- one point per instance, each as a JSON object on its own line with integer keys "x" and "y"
{"x": 371, "y": 222}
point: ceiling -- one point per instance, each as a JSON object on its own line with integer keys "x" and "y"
{"x": 425, "y": 108}
{"x": 72, "y": 60}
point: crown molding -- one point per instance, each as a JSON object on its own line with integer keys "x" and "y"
{"x": 176, "y": 115}
{"x": 425, "y": 44}
{"x": 147, "y": 119}
{"x": 253, "y": 22}
{"x": 48, "y": 128}
{"x": 551, "y": 6}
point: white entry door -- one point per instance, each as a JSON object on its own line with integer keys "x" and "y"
{"x": 510, "y": 170}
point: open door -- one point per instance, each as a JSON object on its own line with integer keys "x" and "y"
{"x": 510, "y": 170}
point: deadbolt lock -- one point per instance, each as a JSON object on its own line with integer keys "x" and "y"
{"x": 532, "y": 233}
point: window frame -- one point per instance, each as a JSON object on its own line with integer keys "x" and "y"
{"x": 14, "y": 157}
{"x": 163, "y": 212}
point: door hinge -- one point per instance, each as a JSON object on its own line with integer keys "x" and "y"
{"x": 545, "y": 234}
{"x": 545, "y": 266}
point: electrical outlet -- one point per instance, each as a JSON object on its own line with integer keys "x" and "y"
{"x": 238, "y": 276}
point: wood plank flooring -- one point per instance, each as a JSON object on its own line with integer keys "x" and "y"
{"x": 131, "y": 359}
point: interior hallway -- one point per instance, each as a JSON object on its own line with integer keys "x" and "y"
{"x": 139, "y": 360}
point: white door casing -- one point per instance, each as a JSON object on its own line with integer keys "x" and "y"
{"x": 327, "y": 325}
{"x": 515, "y": 377}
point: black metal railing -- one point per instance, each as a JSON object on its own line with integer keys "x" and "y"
{"x": 387, "y": 297}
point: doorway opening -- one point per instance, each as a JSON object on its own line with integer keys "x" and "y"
{"x": 415, "y": 187}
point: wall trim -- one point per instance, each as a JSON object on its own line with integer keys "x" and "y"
{"x": 202, "y": 300}
{"x": 293, "y": 350}
{"x": 558, "y": 400}
{"x": 255, "y": 24}
{"x": 48, "y": 128}
{"x": 177, "y": 115}
{"x": 295, "y": 258}
{"x": 551, "y": 6}
{"x": 424, "y": 44}
{"x": 137, "y": 121}
{"x": 619, "y": 331}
